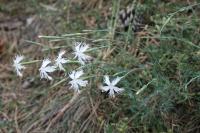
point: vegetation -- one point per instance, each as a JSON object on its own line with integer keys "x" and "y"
{"x": 160, "y": 65}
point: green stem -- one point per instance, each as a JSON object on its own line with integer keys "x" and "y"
{"x": 61, "y": 81}
{"x": 76, "y": 34}
{"x": 93, "y": 49}
{"x": 178, "y": 39}
{"x": 191, "y": 80}
{"x": 30, "y": 62}
{"x": 174, "y": 13}
{"x": 133, "y": 70}
{"x": 144, "y": 87}
{"x": 71, "y": 61}
{"x": 92, "y": 76}
{"x": 50, "y": 37}
{"x": 104, "y": 30}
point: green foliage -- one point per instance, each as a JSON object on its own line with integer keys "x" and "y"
{"x": 161, "y": 91}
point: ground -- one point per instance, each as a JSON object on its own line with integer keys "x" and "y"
{"x": 161, "y": 65}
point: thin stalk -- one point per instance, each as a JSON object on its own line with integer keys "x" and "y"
{"x": 93, "y": 49}
{"x": 30, "y": 62}
{"x": 60, "y": 82}
{"x": 36, "y": 43}
{"x": 73, "y": 61}
{"x": 76, "y": 34}
{"x": 133, "y": 70}
{"x": 92, "y": 76}
{"x": 50, "y": 37}
{"x": 174, "y": 13}
{"x": 115, "y": 12}
{"x": 191, "y": 80}
{"x": 179, "y": 39}
{"x": 144, "y": 87}
{"x": 105, "y": 30}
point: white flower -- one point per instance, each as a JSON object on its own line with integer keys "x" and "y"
{"x": 111, "y": 86}
{"x": 80, "y": 48}
{"x": 60, "y": 60}
{"x": 45, "y": 69}
{"x": 17, "y": 65}
{"x": 76, "y": 82}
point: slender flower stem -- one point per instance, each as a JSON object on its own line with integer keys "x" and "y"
{"x": 61, "y": 81}
{"x": 76, "y": 34}
{"x": 30, "y": 62}
{"x": 36, "y": 43}
{"x": 100, "y": 40}
{"x": 191, "y": 80}
{"x": 73, "y": 61}
{"x": 91, "y": 76}
{"x": 174, "y": 13}
{"x": 93, "y": 49}
{"x": 50, "y": 37}
{"x": 145, "y": 86}
{"x": 104, "y": 30}
{"x": 133, "y": 70}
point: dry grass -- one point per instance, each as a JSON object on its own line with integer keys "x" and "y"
{"x": 170, "y": 103}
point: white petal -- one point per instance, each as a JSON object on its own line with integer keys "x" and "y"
{"x": 63, "y": 60}
{"x": 78, "y": 74}
{"x": 77, "y": 46}
{"x": 19, "y": 73}
{"x": 45, "y": 75}
{"x": 18, "y": 58}
{"x": 59, "y": 61}
{"x": 111, "y": 93}
{"x": 106, "y": 80}
{"x": 50, "y": 69}
{"x": 45, "y": 62}
{"x": 81, "y": 61}
{"x": 85, "y": 57}
{"x": 74, "y": 85}
{"x": 82, "y": 83}
{"x": 84, "y": 47}
{"x": 44, "y": 69}
{"x": 61, "y": 67}
{"x": 118, "y": 90}
{"x": 61, "y": 53}
{"x": 104, "y": 88}
{"x": 48, "y": 77}
{"x": 116, "y": 80}
{"x": 20, "y": 66}
{"x": 17, "y": 64}
{"x": 72, "y": 75}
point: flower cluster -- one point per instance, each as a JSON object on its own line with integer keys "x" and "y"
{"x": 76, "y": 82}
